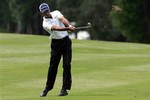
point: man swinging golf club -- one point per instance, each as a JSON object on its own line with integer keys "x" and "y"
{"x": 57, "y": 25}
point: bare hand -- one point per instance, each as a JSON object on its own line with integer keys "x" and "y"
{"x": 71, "y": 28}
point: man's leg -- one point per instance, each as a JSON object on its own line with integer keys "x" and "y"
{"x": 67, "y": 57}
{"x": 52, "y": 71}
{"x": 67, "y": 79}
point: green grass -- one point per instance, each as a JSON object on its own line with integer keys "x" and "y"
{"x": 101, "y": 70}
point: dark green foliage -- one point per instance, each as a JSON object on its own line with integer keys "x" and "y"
{"x": 134, "y": 20}
{"x": 21, "y": 16}
{"x": 96, "y": 12}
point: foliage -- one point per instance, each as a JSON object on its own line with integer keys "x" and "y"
{"x": 20, "y": 16}
{"x": 26, "y": 17}
{"x": 5, "y": 15}
{"x": 133, "y": 21}
{"x": 70, "y": 8}
{"x": 96, "y": 12}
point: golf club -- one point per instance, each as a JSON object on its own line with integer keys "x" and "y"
{"x": 84, "y": 27}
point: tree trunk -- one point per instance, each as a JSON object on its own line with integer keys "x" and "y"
{"x": 29, "y": 29}
{"x": 146, "y": 9}
{"x": 8, "y": 27}
{"x": 19, "y": 26}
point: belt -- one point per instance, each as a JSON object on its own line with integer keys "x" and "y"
{"x": 60, "y": 39}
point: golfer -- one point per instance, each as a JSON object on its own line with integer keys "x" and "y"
{"x": 57, "y": 25}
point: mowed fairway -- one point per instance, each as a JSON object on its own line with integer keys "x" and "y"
{"x": 101, "y": 70}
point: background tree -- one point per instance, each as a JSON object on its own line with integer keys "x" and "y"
{"x": 21, "y": 16}
{"x": 134, "y": 21}
{"x": 97, "y": 12}
{"x": 70, "y": 8}
{"x": 5, "y": 19}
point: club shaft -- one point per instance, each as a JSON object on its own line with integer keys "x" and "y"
{"x": 83, "y": 27}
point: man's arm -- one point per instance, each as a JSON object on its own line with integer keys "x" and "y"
{"x": 57, "y": 28}
{"x": 65, "y": 21}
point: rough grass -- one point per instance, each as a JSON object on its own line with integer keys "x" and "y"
{"x": 101, "y": 70}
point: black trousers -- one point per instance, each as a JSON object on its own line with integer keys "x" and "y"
{"x": 60, "y": 48}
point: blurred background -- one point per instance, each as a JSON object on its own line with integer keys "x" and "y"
{"x": 111, "y": 20}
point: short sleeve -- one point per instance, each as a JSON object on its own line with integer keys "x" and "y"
{"x": 58, "y": 14}
{"x": 47, "y": 26}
